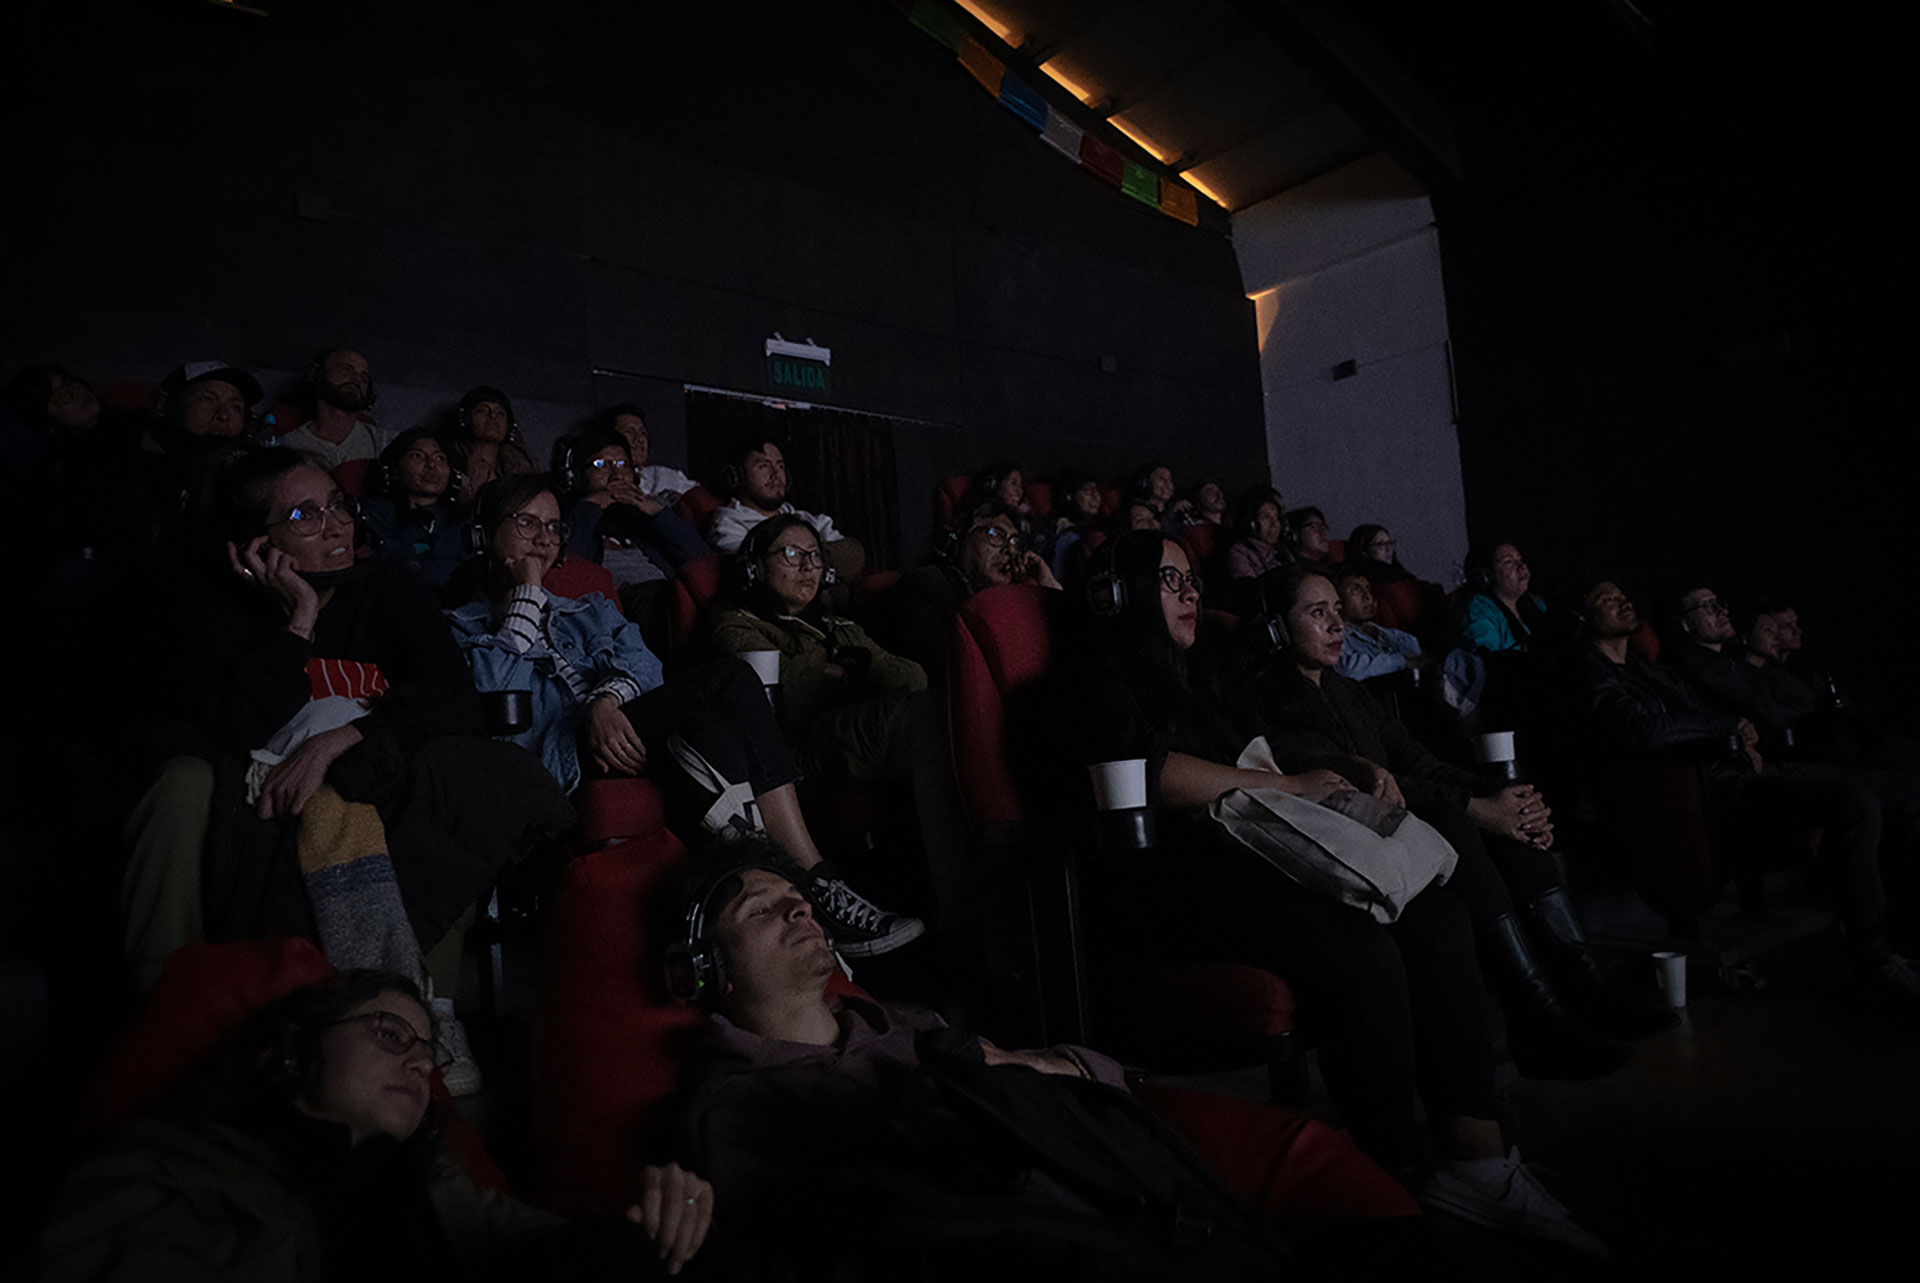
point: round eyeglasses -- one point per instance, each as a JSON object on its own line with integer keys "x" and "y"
{"x": 530, "y": 526}
{"x": 396, "y": 1037}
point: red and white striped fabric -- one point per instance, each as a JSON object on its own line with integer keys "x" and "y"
{"x": 347, "y": 677}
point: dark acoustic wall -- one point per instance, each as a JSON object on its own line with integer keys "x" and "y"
{"x": 528, "y": 194}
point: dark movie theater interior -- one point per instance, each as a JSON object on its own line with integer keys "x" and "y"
{"x": 883, "y": 639}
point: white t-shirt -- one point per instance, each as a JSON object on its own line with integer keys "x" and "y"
{"x": 361, "y": 443}
{"x": 731, "y": 524}
{"x": 656, "y": 478}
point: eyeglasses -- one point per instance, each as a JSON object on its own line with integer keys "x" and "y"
{"x": 1383, "y": 545}
{"x": 622, "y": 464}
{"x": 530, "y": 526}
{"x": 797, "y": 557}
{"x": 1176, "y": 581}
{"x": 396, "y": 1037}
{"x": 998, "y": 536}
{"x": 311, "y": 523}
{"x": 1712, "y": 605}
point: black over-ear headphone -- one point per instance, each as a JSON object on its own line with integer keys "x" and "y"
{"x": 695, "y": 965}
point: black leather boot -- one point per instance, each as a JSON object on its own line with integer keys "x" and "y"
{"x": 1605, "y": 1004}
{"x": 1545, "y": 1039}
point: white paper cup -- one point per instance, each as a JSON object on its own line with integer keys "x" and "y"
{"x": 1120, "y": 786}
{"x": 1494, "y": 746}
{"x": 1672, "y": 976}
{"x": 766, "y": 663}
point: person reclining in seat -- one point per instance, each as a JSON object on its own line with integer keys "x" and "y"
{"x": 1640, "y": 709}
{"x": 952, "y": 1153}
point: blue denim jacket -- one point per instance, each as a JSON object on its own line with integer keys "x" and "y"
{"x": 596, "y": 639}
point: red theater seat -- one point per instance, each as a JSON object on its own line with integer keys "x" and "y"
{"x": 698, "y": 506}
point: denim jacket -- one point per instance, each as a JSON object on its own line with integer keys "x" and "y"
{"x": 600, "y": 644}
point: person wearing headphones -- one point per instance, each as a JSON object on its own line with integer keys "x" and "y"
{"x": 486, "y": 443}
{"x": 982, "y": 550}
{"x": 1397, "y": 996}
{"x": 656, "y": 480}
{"x": 843, "y": 698}
{"x": 339, "y": 432}
{"x": 1501, "y": 611}
{"x": 308, "y": 1147}
{"x": 757, "y": 480}
{"x": 599, "y": 705}
{"x": 410, "y": 509}
{"x": 638, "y": 537}
{"x": 953, "y": 1154}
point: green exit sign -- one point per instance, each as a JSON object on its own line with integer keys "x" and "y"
{"x": 795, "y": 368}
{"x": 788, "y": 374}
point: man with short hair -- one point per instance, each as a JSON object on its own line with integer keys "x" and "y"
{"x": 938, "y": 1152}
{"x": 759, "y": 492}
{"x": 1641, "y": 709}
{"x": 342, "y": 388}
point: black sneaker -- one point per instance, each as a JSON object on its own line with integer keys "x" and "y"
{"x": 858, "y": 927}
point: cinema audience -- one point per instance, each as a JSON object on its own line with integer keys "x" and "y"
{"x": 1638, "y": 710}
{"x": 600, "y": 709}
{"x": 1397, "y": 1000}
{"x": 1309, "y": 539}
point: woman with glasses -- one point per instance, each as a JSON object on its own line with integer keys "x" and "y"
{"x": 1397, "y": 1008}
{"x": 308, "y": 1148}
{"x": 842, "y": 697}
{"x": 599, "y": 706}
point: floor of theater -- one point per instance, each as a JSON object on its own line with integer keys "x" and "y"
{"x": 1775, "y": 1128}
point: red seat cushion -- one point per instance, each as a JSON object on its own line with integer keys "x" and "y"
{"x": 205, "y": 993}
{"x": 608, "y": 1041}
{"x": 1277, "y": 1162}
{"x": 351, "y": 476}
{"x": 698, "y": 506}
{"x": 946, "y": 499}
{"x": 1039, "y": 500}
{"x": 1410, "y": 604}
{"x": 1199, "y": 539}
{"x": 1001, "y": 641}
{"x": 578, "y": 577}
{"x": 618, "y": 807}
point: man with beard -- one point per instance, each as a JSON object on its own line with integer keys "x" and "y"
{"x": 342, "y": 391}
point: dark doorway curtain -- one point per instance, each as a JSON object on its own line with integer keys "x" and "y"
{"x": 838, "y": 463}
